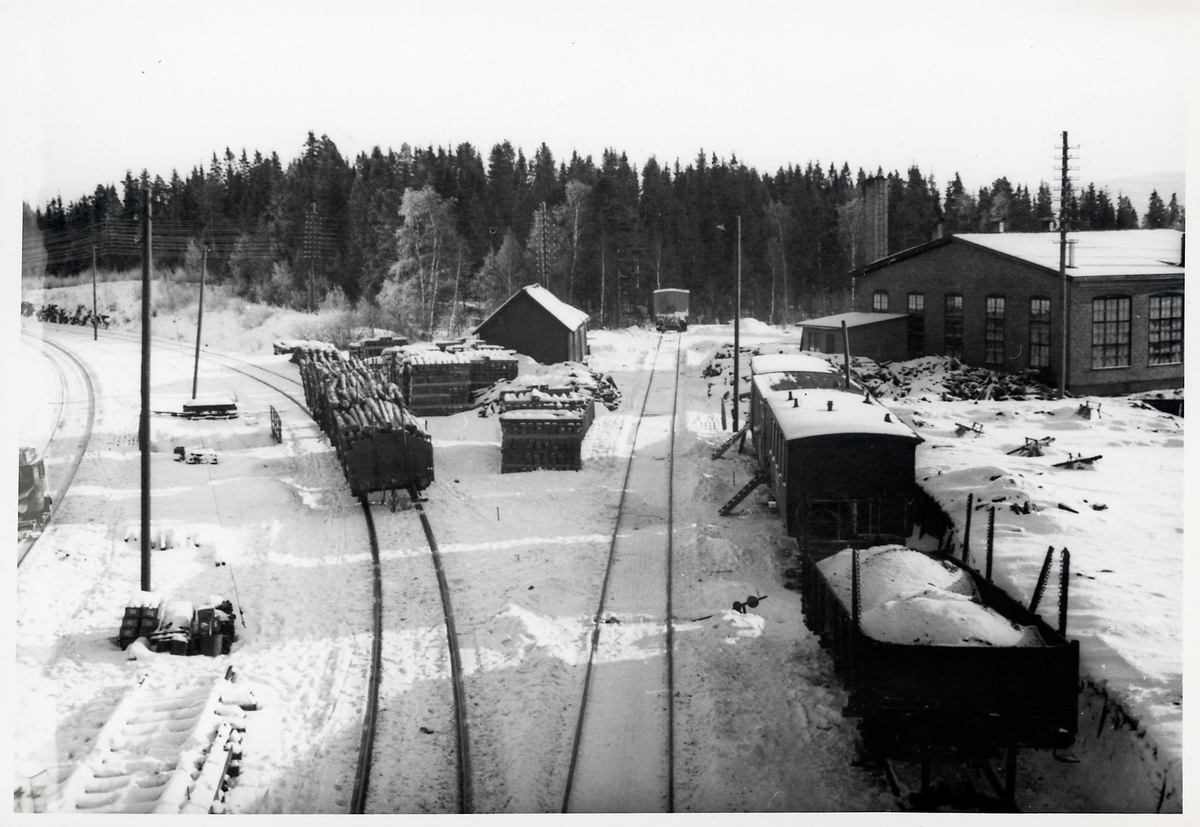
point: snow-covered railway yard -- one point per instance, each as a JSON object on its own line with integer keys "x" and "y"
{"x": 758, "y": 715}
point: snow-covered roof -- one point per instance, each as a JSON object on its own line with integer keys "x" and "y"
{"x": 856, "y": 318}
{"x": 1096, "y": 253}
{"x": 571, "y": 317}
{"x": 810, "y": 415}
{"x": 789, "y": 362}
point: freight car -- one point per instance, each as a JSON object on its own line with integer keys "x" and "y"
{"x": 671, "y": 309}
{"x": 947, "y": 661}
{"x": 842, "y": 466}
{"x": 33, "y": 503}
{"x": 381, "y": 445}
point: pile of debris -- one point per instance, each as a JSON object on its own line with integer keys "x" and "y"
{"x": 949, "y": 379}
{"x": 573, "y": 379}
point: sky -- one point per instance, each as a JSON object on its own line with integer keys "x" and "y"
{"x": 980, "y": 89}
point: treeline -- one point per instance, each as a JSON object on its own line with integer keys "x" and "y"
{"x": 435, "y": 238}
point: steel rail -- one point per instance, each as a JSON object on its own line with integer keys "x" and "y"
{"x": 596, "y": 620}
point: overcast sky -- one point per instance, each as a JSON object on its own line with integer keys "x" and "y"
{"x": 984, "y": 89}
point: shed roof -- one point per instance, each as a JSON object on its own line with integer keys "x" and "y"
{"x": 571, "y": 317}
{"x": 1097, "y": 254}
{"x": 810, "y": 415}
{"x": 856, "y": 318}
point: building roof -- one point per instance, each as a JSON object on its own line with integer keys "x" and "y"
{"x": 1096, "y": 254}
{"x": 856, "y": 318}
{"x": 571, "y": 317}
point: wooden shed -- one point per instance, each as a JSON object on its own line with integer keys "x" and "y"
{"x": 538, "y": 324}
{"x": 879, "y": 336}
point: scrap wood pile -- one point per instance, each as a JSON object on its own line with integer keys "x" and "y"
{"x": 568, "y": 385}
{"x": 351, "y": 400}
{"x": 947, "y": 379}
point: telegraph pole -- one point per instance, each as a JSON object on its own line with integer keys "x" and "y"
{"x": 95, "y": 320}
{"x": 199, "y": 320}
{"x": 144, "y": 422}
{"x": 737, "y": 315}
{"x": 545, "y": 283}
{"x": 1065, "y": 188}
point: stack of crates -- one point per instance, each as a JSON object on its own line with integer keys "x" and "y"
{"x": 543, "y": 428}
{"x": 437, "y": 383}
{"x": 141, "y": 620}
{"x": 491, "y": 366}
{"x": 539, "y": 438}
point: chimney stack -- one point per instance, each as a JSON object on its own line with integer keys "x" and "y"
{"x": 875, "y": 216}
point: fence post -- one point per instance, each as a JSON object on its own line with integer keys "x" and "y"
{"x": 1041, "y": 581}
{"x": 991, "y": 541}
{"x": 966, "y": 546}
{"x": 1063, "y": 589}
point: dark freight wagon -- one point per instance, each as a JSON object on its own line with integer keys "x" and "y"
{"x": 1005, "y": 696}
{"x": 671, "y": 309}
{"x": 33, "y": 503}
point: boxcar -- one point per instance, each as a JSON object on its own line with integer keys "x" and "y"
{"x": 671, "y": 309}
{"x": 778, "y": 373}
{"x": 842, "y": 467}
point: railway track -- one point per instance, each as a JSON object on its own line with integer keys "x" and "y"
{"x": 622, "y": 758}
{"x": 82, "y": 376}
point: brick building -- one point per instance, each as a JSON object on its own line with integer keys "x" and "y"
{"x": 995, "y": 300}
{"x": 538, "y": 324}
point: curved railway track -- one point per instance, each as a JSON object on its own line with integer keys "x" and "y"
{"x": 26, "y": 544}
{"x": 657, "y": 414}
{"x": 371, "y": 716}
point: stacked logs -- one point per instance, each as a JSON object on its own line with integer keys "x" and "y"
{"x": 351, "y": 400}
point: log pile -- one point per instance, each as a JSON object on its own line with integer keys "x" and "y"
{"x": 351, "y": 400}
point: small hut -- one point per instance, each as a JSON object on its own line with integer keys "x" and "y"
{"x": 879, "y": 336}
{"x": 538, "y": 324}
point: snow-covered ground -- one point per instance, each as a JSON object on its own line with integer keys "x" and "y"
{"x": 759, "y": 727}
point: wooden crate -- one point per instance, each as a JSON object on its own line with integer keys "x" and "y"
{"x": 549, "y": 439}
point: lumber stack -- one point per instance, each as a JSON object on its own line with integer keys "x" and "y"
{"x": 350, "y": 399}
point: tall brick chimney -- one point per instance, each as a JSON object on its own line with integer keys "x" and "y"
{"x": 875, "y": 216}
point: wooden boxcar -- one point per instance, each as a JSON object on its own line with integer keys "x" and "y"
{"x": 671, "y": 309}
{"x": 842, "y": 466}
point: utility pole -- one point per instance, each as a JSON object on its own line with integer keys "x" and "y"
{"x": 144, "y": 422}
{"x": 545, "y": 283}
{"x": 199, "y": 320}
{"x": 95, "y": 321}
{"x": 1065, "y": 189}
{"x": 737, "y": 339}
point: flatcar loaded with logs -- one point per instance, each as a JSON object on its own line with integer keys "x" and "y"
{"x": 381, "y": 445}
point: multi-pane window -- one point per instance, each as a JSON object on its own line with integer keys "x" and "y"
{"x": 916, "y": 324}
{"x": 993, "y": 330}
{"x": 1110, "y": 332}
{"x": 954, "y": 325}
{"x": 1039, "y": 333}
{"x": 1166, "y": 329}
{"x": 880, "y": 301}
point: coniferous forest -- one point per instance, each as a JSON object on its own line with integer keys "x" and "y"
{"x": 435, "y": 238}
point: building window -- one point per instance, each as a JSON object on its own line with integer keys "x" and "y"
{"x": 880, "y": 301}
{"x": 993, "y": 330}
{"x": 1039, "y": 333}
{"x": 954, "y": 325}
{"x": 916, "y": 324}
{"x": 1110, "y": 332}
{"x": 1166, "y": 329}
